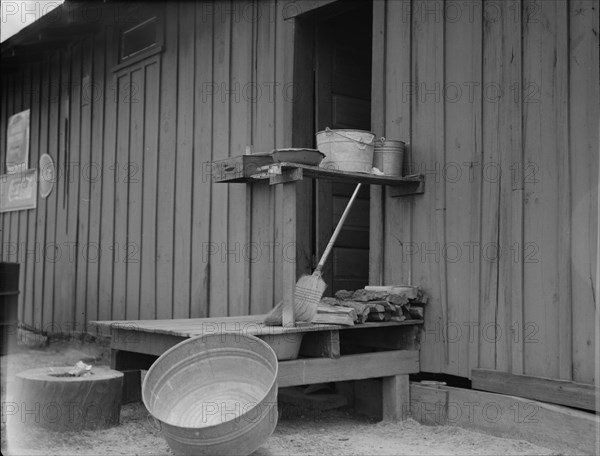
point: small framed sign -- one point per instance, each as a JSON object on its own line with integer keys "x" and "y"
{"x": 47, "y": 174}
{"x": 18, "y": 191}
{"x": 17, "y": 142}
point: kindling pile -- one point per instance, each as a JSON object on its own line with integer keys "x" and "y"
{"x": 372, "y": 303}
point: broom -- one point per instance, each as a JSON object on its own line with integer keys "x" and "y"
{"x": 309, "y": 288}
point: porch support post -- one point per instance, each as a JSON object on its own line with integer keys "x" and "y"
{"x": 289, "y": 245}
{"x": 396, "y": 397}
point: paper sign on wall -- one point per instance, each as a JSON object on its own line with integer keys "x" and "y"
{"x": 17, "y": 142}
{"x": 18, "y": 191}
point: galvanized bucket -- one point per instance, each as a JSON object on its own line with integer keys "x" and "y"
{"x": 214, "y": 394}
{"x": 346, "y": 150}
{"x": 388, "y": 156}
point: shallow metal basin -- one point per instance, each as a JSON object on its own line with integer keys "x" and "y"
{"x": 214, "y": 394}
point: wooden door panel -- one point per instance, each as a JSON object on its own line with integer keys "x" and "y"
{"x": 356, "y": 217}
{"x": 340, "y": 188}
{"x": 352, "y": 68}
{"x": 350, "y": 266}
{"x": 350, "y": 263}
{"x": 343, "y": 81}
{"x": 353, "y": 237}
{"x": 350, "y": 112}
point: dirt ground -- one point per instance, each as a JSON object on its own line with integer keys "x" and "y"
{"x": 333, "y": 432}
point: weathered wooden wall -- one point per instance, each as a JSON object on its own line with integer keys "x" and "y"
{"x": 500, "y": 104}
{"x": 498, "y": 101}
{"x": 134, "y": 227}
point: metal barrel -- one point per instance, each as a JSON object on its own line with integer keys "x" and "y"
{"x": 9, "y": 302}
{"x": 214, "y": 394}
{"x": 388, "y": 156}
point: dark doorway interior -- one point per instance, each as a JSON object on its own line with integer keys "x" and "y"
{"x": 340, "y": 41}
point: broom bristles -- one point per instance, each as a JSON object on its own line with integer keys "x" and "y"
{"x": 307, "y": 295}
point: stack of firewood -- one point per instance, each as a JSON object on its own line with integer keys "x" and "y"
{"x": 373, "y": 303}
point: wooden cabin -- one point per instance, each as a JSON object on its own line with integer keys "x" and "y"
{"x": 497, "y": 101}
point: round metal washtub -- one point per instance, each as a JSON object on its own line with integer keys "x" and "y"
{"x": 214, "y": 394}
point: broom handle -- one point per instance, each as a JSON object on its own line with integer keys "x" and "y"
{"x": 338, "y": 228}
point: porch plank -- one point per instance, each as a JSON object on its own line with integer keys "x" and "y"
{"x": 131, "y": 340}
{"x": 252, "y": 324}
{"x": 351, "y": 367}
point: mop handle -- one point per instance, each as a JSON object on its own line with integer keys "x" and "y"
{"x": 338, "y": 228}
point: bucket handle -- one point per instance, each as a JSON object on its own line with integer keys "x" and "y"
{"x": 361, "y": 145}
{"x": 381, "y": 141}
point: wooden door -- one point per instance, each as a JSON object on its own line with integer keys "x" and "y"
{"x": 343, "y": 100}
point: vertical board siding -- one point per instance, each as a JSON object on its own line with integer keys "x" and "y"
{"x": 504, "y": 110}
{"x": 124, "y": 93}
{"x": 498, "y": 142}
{"x": 72, "y": 189}
{"x": 184, "y": 158}
{"x": 428, "y": 152}
{"x": 563, "y": 211}
{"x": 491, "y": 185}
{"x": 166, "y": 166}
{"x": 541, "y": 266}
{"x": 135, "y": 167}
{"x": 38, "y": 297}
{"x": 63, "y": 280}
{"x": 512, "y": 131}
{"x": 202, "y": 157}
{"x": 4, "y": 115}
{"x": 463, "y": 144}
{"x": 238, "y": 215}
{"x": 5, "y": 112}
{"x": 221, "y": 86}
{"x": 109, "y": 179}
{"x": 97, "y": 93}
{"x": 83, "y": 200}
{"x": 148, "y": 178}
{"x": 52, "y": 112}
{"x": 584, "y": 92}
{"x": 9, "y": 248}
{"x": 397, "y": 126}
{"x": 509, "y": 313}
{"x": 277, "y": 192}
{"x": 134, "y": 227}
{"x": 31, "y": 256}
{"x": 14, "y": 233}
{"x": 284, "y": 62}
{"x": 262, "y": 223}
{"x": 378, "y": 97}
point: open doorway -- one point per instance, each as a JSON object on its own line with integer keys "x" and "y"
{"x": 333, "y": 61}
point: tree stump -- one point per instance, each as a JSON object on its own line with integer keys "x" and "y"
{"x": 49, "y": 398}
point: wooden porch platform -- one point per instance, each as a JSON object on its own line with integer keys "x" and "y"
{"x": 327, "y": 353}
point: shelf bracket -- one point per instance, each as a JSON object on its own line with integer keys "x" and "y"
{"x": 287, "y": 175}
{"x": 408, "y": 189}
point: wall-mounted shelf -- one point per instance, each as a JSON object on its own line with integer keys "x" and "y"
{"x": 248, "y": 168}
{"x": 239, "y": 169}
{"x": 279, "y": 173}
